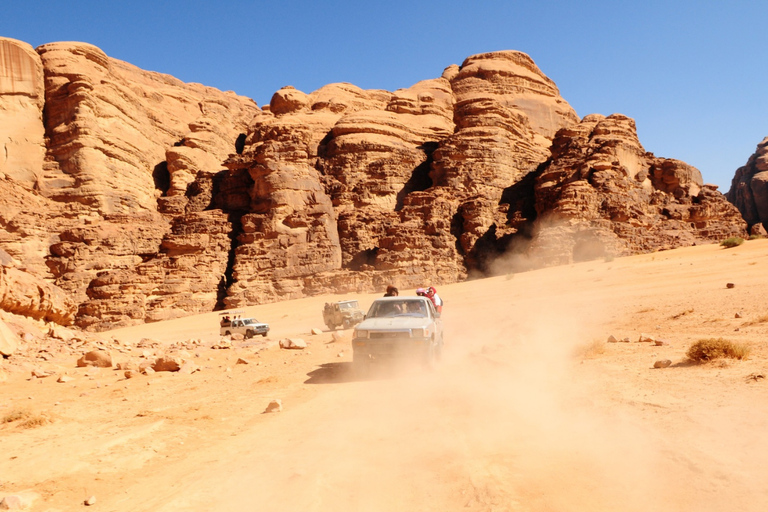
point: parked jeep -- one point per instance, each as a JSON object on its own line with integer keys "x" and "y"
{"x": 407, "y": 327}
{"x": 345, "y": 313}
{"x": 232, "y": 323}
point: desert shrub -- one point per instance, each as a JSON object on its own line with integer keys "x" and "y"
{"x": 15, "y": 416}
{"x": 35, "y": 421}
{"x": 26, "y": 419}
{"x": 756, "y": 237}
{"x": 716, "y": 348}
{"x": 732, "y": 242}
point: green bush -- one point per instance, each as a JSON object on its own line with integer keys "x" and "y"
{"x": 732, "y": 242}
{"x": 716, "y": 348}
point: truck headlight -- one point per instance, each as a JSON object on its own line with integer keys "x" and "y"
{"x": 360, "y": 333}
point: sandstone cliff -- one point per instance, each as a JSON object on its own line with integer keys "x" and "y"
{"x": 749, "y": 189}
{"x": 138, "y": 197}
{"x": 601, "y": 194}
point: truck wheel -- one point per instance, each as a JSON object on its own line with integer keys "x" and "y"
{"x": 227, "y": 333}
{"x": 347, "y": 324}
{"x": 264, "y": 334}
{"x": 249, "y": 334}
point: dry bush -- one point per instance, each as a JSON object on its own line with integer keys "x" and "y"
{"x": 35, "y": 421}
{"x": 732, "y": 242}
{"x": 26, "y": 419}
{"x": 15, "y": 416}
{"x": 716, "y": 348}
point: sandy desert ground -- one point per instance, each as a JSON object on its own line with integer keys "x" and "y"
{"x": 530, "y": 410}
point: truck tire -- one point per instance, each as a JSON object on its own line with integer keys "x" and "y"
{"x": 346, "y": 323}
{"x": 227, "y": 333}
{"x": 249, "y": 333}
{"x": 264, "y": 334}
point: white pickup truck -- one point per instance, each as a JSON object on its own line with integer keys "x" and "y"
{"x": 398, "y": 326}
{"x": 232, "y": 323}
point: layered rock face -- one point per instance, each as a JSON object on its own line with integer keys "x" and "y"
{"x": 23, "y": 293}
{"x": 749, "y": 188}
{"x": 22, "y": 95}
{"x": 600, "y": 194}
{"x": 110, "y": 124}
{"x": 122, "y": 157}
{"x": 128, "y": 196}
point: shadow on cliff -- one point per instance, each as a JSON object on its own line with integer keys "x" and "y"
{"x": 419, "y": 180}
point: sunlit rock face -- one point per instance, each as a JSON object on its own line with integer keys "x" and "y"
{"x": 22, "y": 96}
{"x": 749, "y": 188}
{"x": 602, "y": 194}
{"x": 138, "y": 197}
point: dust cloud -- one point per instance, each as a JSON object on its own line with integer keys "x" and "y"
{"x": 506, "y": 422}
{"x": 500, "y": 424}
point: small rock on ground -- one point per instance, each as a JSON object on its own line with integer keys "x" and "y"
{"x": 275, "y": 405}
{"x": 293, "y": 343}
{"x": 99, "y": 358}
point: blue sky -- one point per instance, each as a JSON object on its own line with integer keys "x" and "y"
{"x": 689, "y": 72}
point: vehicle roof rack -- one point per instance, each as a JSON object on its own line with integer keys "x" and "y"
{"x": 232, "y": 312}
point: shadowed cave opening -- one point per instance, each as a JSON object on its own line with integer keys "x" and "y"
{"x": 162, "y": 177}
{"x": 240, "y": 144}
{"x": 494, "y": 253}
{"x": 229, "y": 193}
{"x": 235, "y": 219}
{"x": 363, "y": 258}
{"x": 419, "y": 179}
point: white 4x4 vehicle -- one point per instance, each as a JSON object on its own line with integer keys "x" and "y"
{"x": 398, "y": 326}
{"x": 248, "y": 327}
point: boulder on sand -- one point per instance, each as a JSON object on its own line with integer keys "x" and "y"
{"x": 99, "y": 358}
{"x": 293, "y": 343}
{"x": 9, "y": 341}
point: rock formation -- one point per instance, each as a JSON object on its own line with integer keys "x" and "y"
{"x": 601, "y": 194}
{"x": 749, "y": 188}
{"x": 22, "y": 95}
{"x": 128, "y": 196}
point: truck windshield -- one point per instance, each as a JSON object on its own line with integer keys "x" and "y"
{"x": 392, "y": 308}
{"x": 348, "y": 305}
